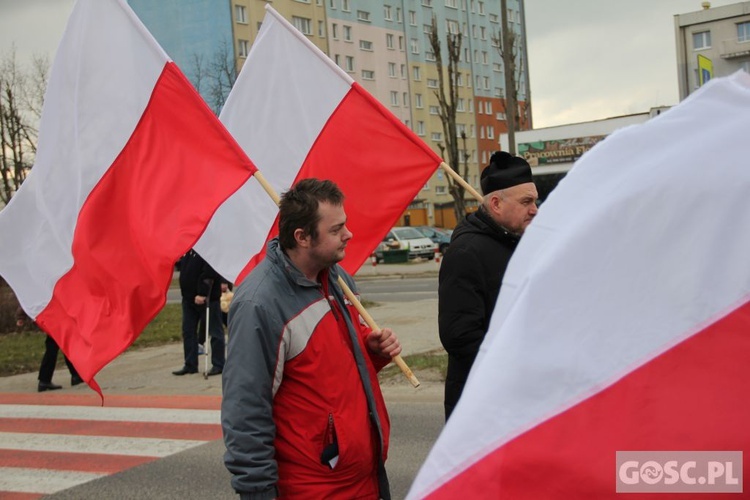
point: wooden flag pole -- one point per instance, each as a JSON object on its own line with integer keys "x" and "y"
{"x": 462, "y": 182}
{"x": 347, "y": 291}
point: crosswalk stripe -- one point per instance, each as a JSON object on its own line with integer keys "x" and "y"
{"x": 111, "y": 414}
{"x": 49, "y": 442}
{"x": 206, "y": 432}
{"x": 81, "y": 462}
{"x": 133, "y": 446}
{"x": 43, "y": 481}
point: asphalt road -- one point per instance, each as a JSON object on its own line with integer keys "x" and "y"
{"x": 199, "y": 473}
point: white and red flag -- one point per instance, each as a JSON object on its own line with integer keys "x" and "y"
{"x": 131, "y": 165}
{"x": 623, "y": 322}
{"x": 297, "y": 115}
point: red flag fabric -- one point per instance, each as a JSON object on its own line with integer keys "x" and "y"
{"x": 623, "y": 320}
{"x": 298, "y": 115}
{"x": 131, "y": 165}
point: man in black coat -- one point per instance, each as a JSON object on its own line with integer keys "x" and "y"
{"x": 201, "y": 287}
{"x": 474, "y": 265}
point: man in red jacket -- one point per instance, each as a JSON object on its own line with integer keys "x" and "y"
{"x": 302, "y": 412}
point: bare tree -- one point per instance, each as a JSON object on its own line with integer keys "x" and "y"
{"x": 214, "y": 80}
{"x": 21, "y": 96}
{"x": 508, "y": 43}
{"x": 447, "y": 96}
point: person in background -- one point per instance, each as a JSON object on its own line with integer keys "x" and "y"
{"x": 474, "y": 265}
{"x": 49, "y": 360}
{"x": 302, "y": 412}
{"x": 200, "y": 286}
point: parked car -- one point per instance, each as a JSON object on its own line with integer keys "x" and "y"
{"x": 406, "y": 238}
{"x": 438, "y": 235}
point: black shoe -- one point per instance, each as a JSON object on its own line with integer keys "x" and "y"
{"x": 214, "y": 371}
{"x": 48, "y": 386}
{"x": 184, "y": 371}
{"x": 75, "y": 380}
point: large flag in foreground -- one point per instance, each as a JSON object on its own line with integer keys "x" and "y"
{"x": 623, "y": 322}
{"x": 298, "y": 115}
{"x": 131, "y": 165}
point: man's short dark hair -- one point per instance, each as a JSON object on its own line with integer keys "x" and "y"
{"x": 298, "y": 208}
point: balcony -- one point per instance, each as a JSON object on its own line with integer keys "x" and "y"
{"x": 732, "y": 48}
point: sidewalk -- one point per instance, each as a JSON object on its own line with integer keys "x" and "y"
{"x": 149, "y": 371}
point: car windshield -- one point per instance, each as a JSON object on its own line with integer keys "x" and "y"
{"x": 408, "y": 233}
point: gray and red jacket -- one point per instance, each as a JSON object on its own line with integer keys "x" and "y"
{"x": 302, "y": 412}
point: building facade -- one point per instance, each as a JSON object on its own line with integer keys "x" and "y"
{"x": 710, "y": 43}
{"x": 384, "y": 45}
{"x": 552, "y": 151}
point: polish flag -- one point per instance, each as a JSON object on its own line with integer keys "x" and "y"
{"x": 623, "y": 321}
{"x": 130, "y": 167}
{"x": 298, "y": 115}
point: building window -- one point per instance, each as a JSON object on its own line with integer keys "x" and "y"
{"x": 368, "y": 74}
{"x": 335, "y": 31}
{"x": 441, "y": 190}
{"x": 486, "y": 80}
{"x": 406, "y": 99}
{"x": 332, "y": 4}
{"x": 493, "y": 18}
{"x": 483, "y": 33}
{"x": 365, "y": 45}
{"x": 743, "y": 32}
{"x": 427, "y": 3}
{"x": 321, "y": 29}
{"x": 387, "y": 13}
{"x": 429, "y": 55}
{"x": 451, "y": 26}
{"x": 418, "y": 101}
{"x": 702, "y": 40}
{"x": 434, "y": 110}
{"x": 403, "y": 71}
{"x": 496, "y": 67}
{"x": 414, "y": 46}
{"x": 398, "y": 15}
{"x": 485, "y": 58}
{"x": 347, "y": 33}
{"x": 401, "y": 43}
{"x": 363, "y": 16}
{"x": 420, "y": 128}
{"x": 240, "y": 14}
{"x": 459, "y": 80}
{"x": 481, "y": 8}
{"x": 349, "y": 64}
{"x": 451, "y": 3}
{"x": 345, "y": 6}
{"x": 490, "y": 132}
{"x": 412, "y": 18}
{"x": 337, "y": 59}
{"x": 436, "y": 136}
{"x": 303, "y": 24}
{"x": 394, "y": 98}
{"x": 460, "y": 106}
{"x": 426, "y": 29}
{"x": 389, "y": 41}
{"x": 417, "y": 73}
{"x": 392, "y": 70}
{"x": 243, "y": 47}
{"x": 302, "y": 1}
{"x": 432, "y": 83}
{"x": 488, "y": 107}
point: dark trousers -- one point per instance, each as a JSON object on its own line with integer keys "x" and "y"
{"x": 49, "y": 361}
{"x": 192, "y": 315}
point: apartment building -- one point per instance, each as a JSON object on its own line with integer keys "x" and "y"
{"x": 711, "y": 42}
{"x": 384, "y": 45}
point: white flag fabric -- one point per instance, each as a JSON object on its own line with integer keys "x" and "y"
{"x": 297, "y": 115}
{"x": 131, "y": 165}
{"x": 623, "y": 321}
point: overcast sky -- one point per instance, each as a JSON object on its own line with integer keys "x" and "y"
{"x": 588, "y": 59}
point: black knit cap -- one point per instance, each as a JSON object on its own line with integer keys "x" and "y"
{"x": 504, "y": 171}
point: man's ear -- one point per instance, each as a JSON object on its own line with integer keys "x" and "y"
{"x": 302, "y": 238}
